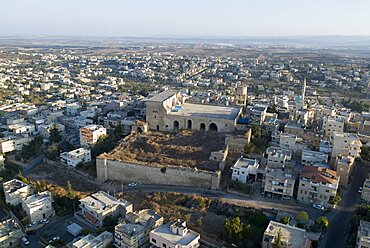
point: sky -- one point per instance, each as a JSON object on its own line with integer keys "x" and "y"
{"x": 192, "y": 18}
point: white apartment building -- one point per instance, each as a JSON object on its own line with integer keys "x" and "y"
{"x": 10, "y": 233}
{"x": 243, "y": 168}
{"x": 96, "y": 207}
{"x": 174, "y": 235}
{"x": 75, "y": 157}
{"x": 313, "y": 157}
{"x": 103, "y": 240}
{"x": 278, "y": 182}
{"x": 13, "y": 143}
{"x": 287, "y": 141}
{"x": 44, "y": 130}
{"x": 15, "y": 190}
{"x": 346, "y": 144}
{"x": 133, "y": 231}
{"x": 257, "y": 114}
{"x": 363, "y": 235}
{"x": 277, "y": 157}
{"x": 38, "y": 206}
{"x": 21, "y": 128}
{"x": 331, "y": 125}
{"x": 90, "y": 134}
{"x": 317, "y": 185}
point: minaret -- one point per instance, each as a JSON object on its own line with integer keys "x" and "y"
{"x": 304, "y": 89}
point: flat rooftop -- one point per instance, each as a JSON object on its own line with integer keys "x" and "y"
{"x": 295, "y": 236}
{"x": 245, "y": 163}
{"x": 165, "y": 232}
{"x": 101, "y": 201}
{"x": 164, "y": 95}
{"x": 13, "y": 185}
{"x": 188, "y": 148}
{"x": 207, "y": 111}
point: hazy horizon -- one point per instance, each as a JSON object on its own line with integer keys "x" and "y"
{"x": 165, "y": 18}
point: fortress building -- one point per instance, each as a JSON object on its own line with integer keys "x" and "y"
{"x": 168, "y": 111}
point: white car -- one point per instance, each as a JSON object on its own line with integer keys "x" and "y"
{"x": 32, "y": 224}
{"x": 25, "y": 241}
{"x": 318, "y": 206}
{"x": 44, "y": 221}
{"x": 133, "y": 184}
{"x": 359, "y": 190}
{"x": 285, "y": 197}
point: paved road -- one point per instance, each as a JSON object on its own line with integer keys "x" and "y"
{"x": 340, "y": 218}
{"x": 33, "y": 165}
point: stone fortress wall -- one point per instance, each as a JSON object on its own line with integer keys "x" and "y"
{"x": 108, "y": 169}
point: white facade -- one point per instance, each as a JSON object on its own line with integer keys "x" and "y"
{"x": 10, "y": 233}
{"x": 313, "y": 157}
{"x": 75, "y": 157}
{"x": 332, "y": 125}
{"x": 15, "y": 191}
{"x": 90, "y": 134}
{"x": 277, "y": 157}
{"x": 243, "y": 168}
{"x": 346, "y": 144}
{"x": 174, "y": 235}
{"x": 38, "y": 206}
{"x": 98, "y": 206}
{"x": 103, "y": 240}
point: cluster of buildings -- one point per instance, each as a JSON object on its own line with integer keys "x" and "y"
{"x": 141, "y": 228}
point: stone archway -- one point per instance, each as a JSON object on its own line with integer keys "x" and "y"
{"x": 202, "y": 127}
{"x": 176, "y": 126}
{"x": 190, "y": 124}
{"x": 213, "y": 127}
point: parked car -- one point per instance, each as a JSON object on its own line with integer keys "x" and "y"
{"x": 133, "y": 184}
{"x": 32, "y": 224}
{"x": 44, "y": 221}
{"x": 25, "y": 241}
{"x": 285, "y": 197}
{"x": 318, "y": 206}
{"x": 359, "y": 190}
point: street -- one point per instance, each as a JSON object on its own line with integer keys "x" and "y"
{"x": 340, "y": 218}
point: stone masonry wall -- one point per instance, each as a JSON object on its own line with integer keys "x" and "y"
{"x": 169, "y": 175}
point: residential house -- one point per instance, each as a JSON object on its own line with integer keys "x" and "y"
{"x": 133, "y": 231}
{"x": 103, "y": 240}
{"x": 278, "y": 182}
{"x": 174, "y": 234}
{"x": 10, "y": 233}
{"x": 96, "y": 207}
{"x": 243, "y": 169}
{"x": 317, "y": 185}
{"x": 38, "y": 206}
{"x": 290, "y": 236}
{"x": 15, "y": 190}
{"x": 90, "y": 134}
{"x": 77, "y": 156}
{"x": 363, "y": 235}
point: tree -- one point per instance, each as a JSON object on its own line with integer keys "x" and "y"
{"x": 70, "y": 190}
{"x": 199, "y": 222}
{"x": 187, "y": 217}
{"x": 277, "y": 243}
{"x": 55, "y": 136}
{"x": 302, "y": 216}
{"x": 323, "y": 222}
{"x": 249, "y": 148}
{"x": 285, "y": 220}
{"x": 52, "y": 152}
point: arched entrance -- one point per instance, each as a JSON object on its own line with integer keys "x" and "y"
{"x": 202, "y": 127}
{"x": 157, "y": 127}
{"x": 176, "y": 125}
{"x": 190, "y": 124}
{"x": 213, "y": 127}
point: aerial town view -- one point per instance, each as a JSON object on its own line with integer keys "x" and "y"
{"x": 184, "y": 124}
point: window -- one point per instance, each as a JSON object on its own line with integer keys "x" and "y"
{"x": 164, "y": 246}
{"x": 154, "y": 241}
